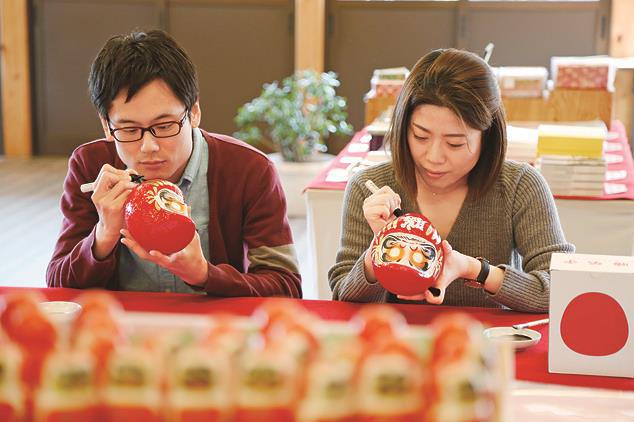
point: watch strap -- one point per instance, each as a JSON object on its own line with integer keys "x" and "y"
{"x": 484, "y": 270}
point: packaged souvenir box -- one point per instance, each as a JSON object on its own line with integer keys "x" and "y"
{"x": 593, "y": 72}
{"x": 522, "y": 81}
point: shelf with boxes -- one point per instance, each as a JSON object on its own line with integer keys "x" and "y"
{"x": 582, "y": 89}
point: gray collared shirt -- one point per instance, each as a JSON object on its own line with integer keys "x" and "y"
{"x": 141, "y": 275}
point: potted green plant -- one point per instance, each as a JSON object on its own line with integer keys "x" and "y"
{"x": 295, "y": 116}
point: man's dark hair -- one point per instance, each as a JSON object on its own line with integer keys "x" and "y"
{"x": 132, "y": 61}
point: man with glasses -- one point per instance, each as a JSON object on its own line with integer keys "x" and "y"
{"x": 145, "y": 90}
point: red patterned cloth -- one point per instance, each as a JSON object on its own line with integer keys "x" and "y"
{"x": 582, "y": 76}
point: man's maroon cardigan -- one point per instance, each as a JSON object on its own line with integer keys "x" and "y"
{"x": 247, "y": 212}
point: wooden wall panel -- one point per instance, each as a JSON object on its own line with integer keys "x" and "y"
{"x": 16, "y": 83}
{"x": 621, "y": 29}
{"x": 236, "y": 48}
{"x": 363, "y": 36}
{"x": 531, "y": 37}
{"x": 622, "y": 45}
{"x": 310, "y": 26}
{"x": 68, "y": 35}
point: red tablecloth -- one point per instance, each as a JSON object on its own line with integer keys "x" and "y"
{"x": 531, "y": 364}
{"x": 627, "y": 164}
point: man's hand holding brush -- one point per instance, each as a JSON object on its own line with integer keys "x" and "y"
{"x": 110, "y": 190}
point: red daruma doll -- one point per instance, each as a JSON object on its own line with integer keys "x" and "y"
{"x": 67, "y": 391}
{"x": 157, "y": 217}
{"x": 407, "y": 255}
{"x": 11, "y": 391}
{"x": 133, "y": 389}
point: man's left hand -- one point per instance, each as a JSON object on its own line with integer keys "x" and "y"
{"x": 189, "y": 264}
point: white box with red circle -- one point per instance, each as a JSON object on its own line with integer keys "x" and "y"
{"x": 591, "y": 315}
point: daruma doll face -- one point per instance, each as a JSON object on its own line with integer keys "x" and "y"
{"x": 157, "y": 217}
{"x": 407, "y": 256}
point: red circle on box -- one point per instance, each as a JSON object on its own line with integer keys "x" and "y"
{"x": 157, "y": 217}
{"x": 594, "y": 324}
{"x": 407, "y": 256}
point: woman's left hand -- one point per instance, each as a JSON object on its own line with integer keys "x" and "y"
{"x": 455, "y": 266}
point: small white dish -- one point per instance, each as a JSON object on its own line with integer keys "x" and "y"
{"x": 60, "y": 311}
{"x": 519, "y": 338}
{"x": 60, "y": 307}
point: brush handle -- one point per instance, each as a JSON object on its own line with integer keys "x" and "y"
{"x": 374, "y": 188}
{"x": 531, "y": 324}
{"x": 89, "y": 187}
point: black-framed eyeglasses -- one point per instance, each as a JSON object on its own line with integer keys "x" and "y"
{"x": 158, "y": 130}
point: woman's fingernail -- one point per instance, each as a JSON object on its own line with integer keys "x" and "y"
{"x": 435, "y": 291}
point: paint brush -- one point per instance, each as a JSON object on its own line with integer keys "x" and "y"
{"x": 531, "y": 324}
{"x": 374, "y": 188}
{"x": 89, "y": 187}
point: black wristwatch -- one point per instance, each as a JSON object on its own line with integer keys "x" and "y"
{"x": 484, "y": 270}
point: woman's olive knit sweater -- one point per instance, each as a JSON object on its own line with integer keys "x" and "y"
{"x": 515, "y": 226}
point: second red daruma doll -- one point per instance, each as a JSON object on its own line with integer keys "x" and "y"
{"x": 390, "y": 384}
{"x": 96, "y": 331}
{"x": 157, "y": 217}
{"x": 67, "y": 390}
{"x": 267, "y": 387}
{"x": 132, "y": 391}
{"x": 407, "y": 255}
{"x": 378, "y": 323}
{"x": 11, "y": 391}
{"x": 464, "y": 381}
{"x": 200, "y": 385}
{"x": 328, "y": 393}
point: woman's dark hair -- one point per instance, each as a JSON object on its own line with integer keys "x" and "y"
{"x": 132, "y": 61}
{"x": 465, "y": 84}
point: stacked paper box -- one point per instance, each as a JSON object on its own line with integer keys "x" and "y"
{"x": 582, "y": 141}
{"x": 571, "y": 159}
{"x": 573, "y": 176}
{"x": 522, "y": 81}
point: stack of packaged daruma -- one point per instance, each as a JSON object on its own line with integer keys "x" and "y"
{"x": 281, "y": 364}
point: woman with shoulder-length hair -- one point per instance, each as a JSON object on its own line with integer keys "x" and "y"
{"x": 448, "y": 141}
